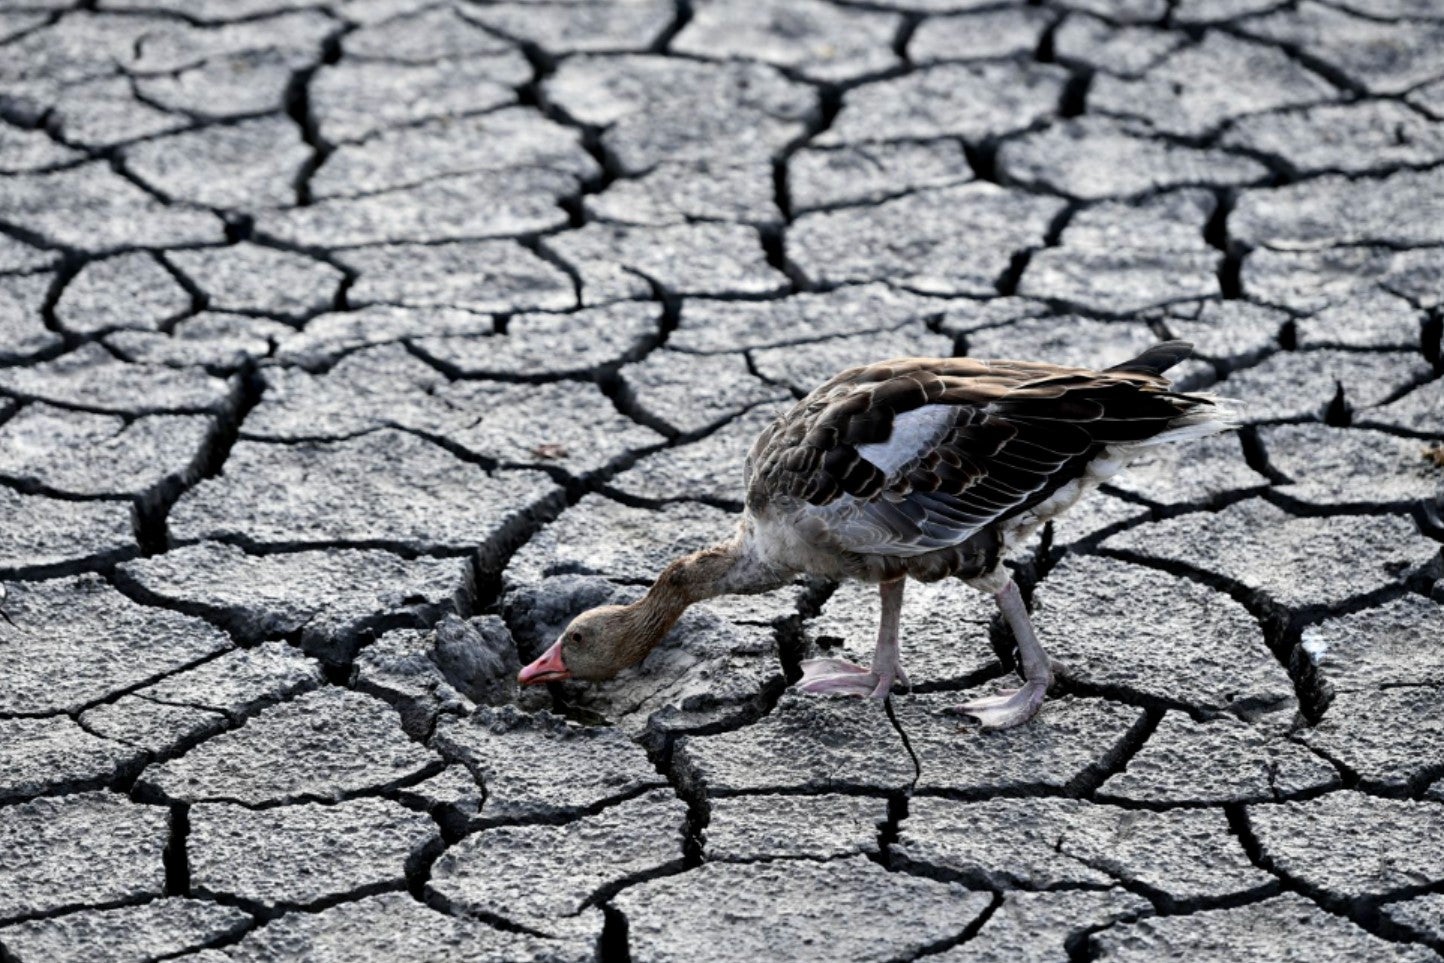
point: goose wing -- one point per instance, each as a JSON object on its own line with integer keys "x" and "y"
{"x": 911, "y": 455}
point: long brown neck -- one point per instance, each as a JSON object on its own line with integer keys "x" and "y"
{"x": 724, "y": 569}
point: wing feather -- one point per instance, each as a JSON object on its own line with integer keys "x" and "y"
{"x": 985, "y": 441}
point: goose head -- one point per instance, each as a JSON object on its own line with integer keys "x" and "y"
{"x": 597, "y": 645}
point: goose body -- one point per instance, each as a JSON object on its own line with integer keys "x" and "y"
{"x": 919, "y": 468}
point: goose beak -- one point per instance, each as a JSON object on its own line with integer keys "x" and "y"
{"x": 548, "y": 668}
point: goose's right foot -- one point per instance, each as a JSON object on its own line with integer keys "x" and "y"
{"x": 1009, "y": 708}
{"x": 1013, "y": 707}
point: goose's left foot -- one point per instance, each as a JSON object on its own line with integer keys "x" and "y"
{"x": 840, "y": 677}
{"x": 1013, "y": 707}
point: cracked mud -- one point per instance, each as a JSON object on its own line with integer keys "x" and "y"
{"x": 349, "y": 348}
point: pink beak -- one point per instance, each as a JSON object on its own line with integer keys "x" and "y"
{"x": 548, "y": 668}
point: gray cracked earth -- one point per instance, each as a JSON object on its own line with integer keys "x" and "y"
{"x": 349, "y": 347}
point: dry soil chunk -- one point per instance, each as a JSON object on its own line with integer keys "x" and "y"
{"x": 1158, "y": 637}
{"x": 1123, "y": 51}
{"x": 1417, "y": 411}
{"x": 616, "y": 262}
{"x": 464, "y": 207}
{"x": 73, "y": 851}
{"x": 432, "y": 34}
{"x": 400, "y": 668}
{"x": 742, "y": 828}
{"x": 1071, "y": 743}
{"x": 1297, "y": 563}
{"x": 331, "y": 335}
{"x": 297, "y": 855}
{"x": 1067, "y": 340}
{"x": 91, "y": 378}
{"x": 1219, "y": 761}
{"x": 1348, "y": 845}
{"x": 1098, "y": 157}
{"x": 539, "y": 768}
{"x": 160, "y": 928}
{"x": 696, "y": 190}
{"x": 250, "y": 164}
{"x": 1007, "y": 32}
{"x": 1039, "y": 927}
{"x": 1388, "y": 646}
{"x": 542, "y": 877}
{"x": 1392, "y": 738}
{"x": 1399, "y": 210}
{"x": 92, "y": 208}
{"x": 153, "y": 727}
{"x": 1182, "y": 855}
{"x": 325, "y": 745}
{"x": 802, "y": 371}
{"x": 564, "y": 28}
{"x": 598, "y": 536}
{"x": 709, "y": 468}
{"x": 562, "y": 426}
{"x": 397, "y": 928}
{"x": 691, "y": 393}
{"x": 228, "y": 86}
{"x": 946, "y": 630}
{"x": 1367, "y": 136}
{"x": 721, "y": 326}
{"x": 553, "y": 344}
{"x": 240, "y": 682}
{"x": 217, "y": 341}
{"x": 1191, "y": 473}
{"x": 973, "y": 101}
{"x": 956, "y": 240}
{"x": 807, "y": 744}
{"x": 1194, "y": 90}
{"x": 126, "y": 291}
{"x": 54, "y": 754}
{"x": 1303, "y": 384}
{"x": 354, "y": 99}
{"x": 820, "y": 178}
{"x": 52, "y": 536}
{"x": 1344, "y": 467}
{"x": 293, "y": 495}
{"x": 1382, "y": 57}
{"x": 1118, "y": 259}
{"x": 22, "y": 326}
{"x": 1423, "y": 916}
{"x": 1374, "y": 318}
{"x": 1231, "y": 333}
{"x": 453, "y": 797}
{"x": 78, "y": 453}
{"x": 821, "y": 41}
{"x": 471, "y": 275}
{"x": 249, "y": 277}
{"x": 654, "y": 108}
{"x": 80, "y": 640}
{"x": 678, "y": 918}
{"x": 1285, "y": 929}
{"x": 1310, "y": 280}
{"x": 331, "y": 597}
{"x": 23, "y": 149}
{"x": 487, "y": 143}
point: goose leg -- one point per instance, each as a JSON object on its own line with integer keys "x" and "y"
{"x": 840, "y": 677}
{"x": 1013, "y": 707}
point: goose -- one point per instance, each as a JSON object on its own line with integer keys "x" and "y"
{"x": 920, "y": 468}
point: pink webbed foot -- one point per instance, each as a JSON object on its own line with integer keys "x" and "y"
{"x": 1009, "y": 708}
{"x": 840, "y": 677}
